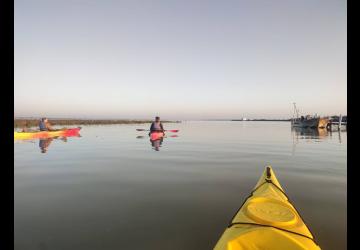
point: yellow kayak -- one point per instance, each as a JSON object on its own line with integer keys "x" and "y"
{"x": 46, "y": 134}
{"x": 267, "y": 220}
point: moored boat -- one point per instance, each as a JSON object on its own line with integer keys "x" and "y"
{"x": 313, "y": 122}
{"x": 309, "y": 121}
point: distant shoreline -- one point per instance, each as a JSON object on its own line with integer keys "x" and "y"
{"x": 21, "y": 122}
{"x": 262, "y": 120}
{"x": 34, "y": 122}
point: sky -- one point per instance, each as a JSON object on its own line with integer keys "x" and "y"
{"x": 179, "y": 59}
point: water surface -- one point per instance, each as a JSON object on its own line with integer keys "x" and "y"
{"x": 110, "y": 189}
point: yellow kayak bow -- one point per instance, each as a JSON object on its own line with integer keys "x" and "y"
{"x": 268, "y": 221}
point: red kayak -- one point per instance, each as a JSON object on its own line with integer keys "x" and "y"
{"x": 156, "y": 135}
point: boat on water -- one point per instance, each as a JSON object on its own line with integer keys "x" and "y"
{"x": 308, "y": 121}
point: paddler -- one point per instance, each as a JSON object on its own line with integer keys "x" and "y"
{"x": 157, "y": 126}
{"x": 44, "y": 125}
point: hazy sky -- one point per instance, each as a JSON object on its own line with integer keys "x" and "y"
{"x": 179, "y": 59}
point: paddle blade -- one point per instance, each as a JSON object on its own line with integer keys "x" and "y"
{"x": 140, "y": 129}
{"x": 174, "y": 130}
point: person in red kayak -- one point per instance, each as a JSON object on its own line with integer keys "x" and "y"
{"x": 44, "y": 125}
{"x": 157, "y": 126}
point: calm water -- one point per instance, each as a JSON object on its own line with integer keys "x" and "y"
{"x": 110, "y": 189}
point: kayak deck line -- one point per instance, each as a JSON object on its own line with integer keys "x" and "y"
{"x": 267, "y": 220}
{"x": 262, "y": 225}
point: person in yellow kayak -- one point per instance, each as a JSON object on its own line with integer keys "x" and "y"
{"x": 156, "y": 126}
{"x": 44, "y": 125}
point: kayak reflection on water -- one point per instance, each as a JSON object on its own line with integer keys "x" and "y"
{"x": 156, "y": 134}
{"x": 156, "y": 141}
{"x": 156, "y": 144}
{"x": 44, "y": 144}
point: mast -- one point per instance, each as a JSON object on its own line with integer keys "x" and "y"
{"x": 296, "y": 110}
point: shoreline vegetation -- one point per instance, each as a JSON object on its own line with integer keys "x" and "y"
{"x": 33, "y": 122}
{"x": 263, "y": 120}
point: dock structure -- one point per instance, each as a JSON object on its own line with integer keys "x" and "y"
{"x": 338, "y": 121}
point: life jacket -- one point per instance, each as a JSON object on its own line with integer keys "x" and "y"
{"x": 157, "y": 126}
{"x": 42, "y": 126}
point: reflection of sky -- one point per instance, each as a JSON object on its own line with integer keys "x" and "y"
{"x": 108, "y": 187}
{"x": 179, "y": 59}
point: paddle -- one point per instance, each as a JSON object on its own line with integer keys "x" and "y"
{"x": 143, "y": 137}
{"x": 173, "y": 130}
